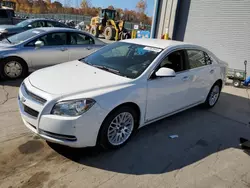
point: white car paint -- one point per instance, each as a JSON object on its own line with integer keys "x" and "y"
{"x": 156, "y": 98}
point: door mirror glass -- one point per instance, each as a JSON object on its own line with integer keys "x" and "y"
{"x": 165, "y": 72}
{"x": 39, "y": 44}
{"x": 29, "y": 26}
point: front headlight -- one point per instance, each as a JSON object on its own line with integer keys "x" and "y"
{"x": 72, "y": 108}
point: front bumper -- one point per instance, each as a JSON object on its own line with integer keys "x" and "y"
{"x": 81, "y": 131}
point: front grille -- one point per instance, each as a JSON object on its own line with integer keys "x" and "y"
{"x": 33, "y": 96}
{"x": 30, "y": 111}
{"x": 58, "y": 136}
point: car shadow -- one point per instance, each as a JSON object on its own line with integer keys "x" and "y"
{"x": 12, "y": 83}
{"x": 201, "y": 133}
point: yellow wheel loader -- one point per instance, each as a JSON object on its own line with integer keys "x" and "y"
{"x": 105, "y": 24}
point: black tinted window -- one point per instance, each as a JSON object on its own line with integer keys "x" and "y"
{"x": 175, "y": 61}
{"x": 54, "y": 24}
{"x": 54, "y": 39}
{"x": 80, "y": 39}
{"x": 38, "y": 24}
{"x": 197, "y": 58}
{"x": 3, "y": 14}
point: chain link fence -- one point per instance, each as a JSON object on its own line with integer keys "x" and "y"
{"x": 76, "y": 18}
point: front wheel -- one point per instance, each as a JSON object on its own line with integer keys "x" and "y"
{"x": 13, "y": 68}
{"x": 236, "y": 83}
{"x": 213, "y": 96}
{"x": 118, "y": 127}
{"x": 94, "y": 31}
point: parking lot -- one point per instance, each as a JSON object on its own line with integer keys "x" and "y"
{"x": 206, "y": 154}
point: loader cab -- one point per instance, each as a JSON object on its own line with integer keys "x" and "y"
{"x": 108, "y": 14}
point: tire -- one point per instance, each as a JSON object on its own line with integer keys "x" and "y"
{"x": 109, "y": 33}
{"x": 236, "y": 83}
{"x": 13, "y": 68}
{"x": 121, "y": 36}
{"x": 108, "y": 142}
{"x": 94, "y": 31}
{"x": 127, "y": 36}
{"x": 213, "y": 96}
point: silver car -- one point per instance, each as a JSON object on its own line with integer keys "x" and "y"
{"x": 42, "y": 47}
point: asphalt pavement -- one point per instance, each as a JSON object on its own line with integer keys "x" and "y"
{"x": 206, "y": 153}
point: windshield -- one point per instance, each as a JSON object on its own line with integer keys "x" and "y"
{"x": 18, "y": 38}
{"x": 24, "y": 23}
{"x": 126, "y": 59}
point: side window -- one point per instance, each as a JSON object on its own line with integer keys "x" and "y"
{"x": 175, "y": 61}
{"x": 51, "y": 39}
{"x": 198, "y": 58}
{"x": 38, "y": 24}
{"x": 208, "y": 60}
{"x": 80, "y": 39}
{"x": 50, "y": 24}
{"x": 3, "y": 14}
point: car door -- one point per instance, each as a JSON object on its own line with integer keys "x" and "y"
{"x": 166, "y": 95}
{"x": 80, "y": 45}
{"x": 53, "y": 52}
{"x": 201, "y": 75}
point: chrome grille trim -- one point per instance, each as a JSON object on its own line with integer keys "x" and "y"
{"x": 34, "y": 96}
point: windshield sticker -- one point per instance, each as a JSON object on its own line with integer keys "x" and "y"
{"x": 152, "y": 49}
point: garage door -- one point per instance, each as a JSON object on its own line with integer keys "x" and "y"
{"x": 222, "y": 26}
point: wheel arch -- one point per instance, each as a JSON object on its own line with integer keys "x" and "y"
{"x": 220, "y": 82}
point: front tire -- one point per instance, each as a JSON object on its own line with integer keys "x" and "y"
{"x": 236, "y": 83}
{"x": 13, "y": 68}
{"x": 118, "y": 127}
{"x": 95, "y": 31}
{"x": 109, "y": 33}
{"x": 213, "y": 95}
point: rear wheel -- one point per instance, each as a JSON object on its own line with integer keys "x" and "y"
{"x": 118, "y": 127}
{"x": 109, "y": 33}
{"x": 13, "y": 68}
{"x": 213, "y": 95}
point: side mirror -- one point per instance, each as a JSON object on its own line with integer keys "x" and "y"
{"x": 39, "y": 44}
{"x": 165, "y": 72}
{"x": 29, "y": 26}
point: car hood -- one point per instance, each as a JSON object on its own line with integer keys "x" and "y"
{"x": 11, "y": 28}
{"x": 73, "y": 77}
{"x": 5, "y": 45}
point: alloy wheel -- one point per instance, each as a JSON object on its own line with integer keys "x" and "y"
{"x": 120, "y": 129}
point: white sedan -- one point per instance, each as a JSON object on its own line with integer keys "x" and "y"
{"x": 105, "y": 97}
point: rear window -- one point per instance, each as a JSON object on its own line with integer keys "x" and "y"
{"x": 3, "y": 14}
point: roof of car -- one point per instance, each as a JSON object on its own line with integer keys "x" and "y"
{"x": 157, "y": 43}
{"x": 56, "y": 29}
{"x": 35, "y": 19}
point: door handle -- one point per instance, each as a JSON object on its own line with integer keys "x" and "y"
{"x": 64, "y": 49}
{"x": 185, "y": 78}
{"x": 212, "y": 71}
{"x": 89, "y": 48}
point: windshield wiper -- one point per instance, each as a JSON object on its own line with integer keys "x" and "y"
{"x": 107, "y": 69}
{"x": 6, "y": 38}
